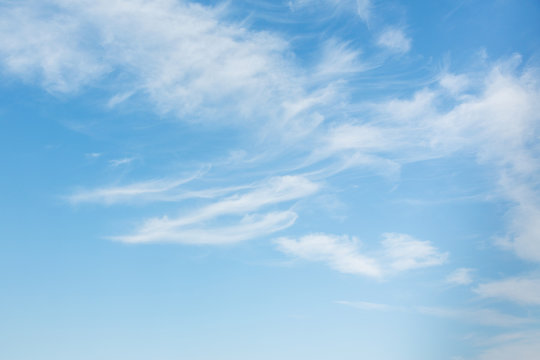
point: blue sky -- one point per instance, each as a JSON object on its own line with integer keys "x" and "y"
{"x": 309, "y": 179}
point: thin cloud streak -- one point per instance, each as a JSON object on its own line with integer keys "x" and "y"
{"x": 249, "y": 227}
{"x": 275, "y": 191}
{"x": 151, "y": 190}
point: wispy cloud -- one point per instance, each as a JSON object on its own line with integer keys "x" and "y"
{"x": 93, "y": 155}
{"x": 122, "y": 161}
{"x": 399, "y": 252}
{"x": 523, "y": 290}
{"x": 498, "y": 122}
{"x": 186, "y": 228}
{"x": 235, "y": 74}
{"x": 339, "y": 58}
{"x": 339, "y": 252}
{"x": 406, "y": 252}
{"x": 232, "y": 74}
{"x": 249, "y": 227}
{"x": 119, "y": 98}
{"x": 146, "y": 191}
{"x": 47, "y": 47}
{"x": 364, "y": 9}
{"x": 461, "y": 276}
{"x": 455, "y": 84}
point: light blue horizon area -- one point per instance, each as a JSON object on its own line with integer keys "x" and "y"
{"x": 148, "y": 147}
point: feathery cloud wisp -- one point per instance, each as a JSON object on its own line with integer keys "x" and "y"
{"x": 186, "y": 228}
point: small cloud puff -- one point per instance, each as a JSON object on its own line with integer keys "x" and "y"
{"x": 395, "y": 40}
{"x": 461, "y": 276}
{"x": 454, "y": 84}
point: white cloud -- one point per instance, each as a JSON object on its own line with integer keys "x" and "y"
{"x": 499, "y": 122}
{"x": 339, "y": 252}
{"x": 185, "y": 228}
{"x": 185, "y": 58}
{"x": 119, "y": 98}
{"x": 522, "y": 290}
{"x": 455, "y": 84}
{"x": 275, "y": 190}
{"x": 394, "y": 39}
{"x": 400, "y": 252}
{"x": 119, "y": 162}
{"x": 364, "y": 7}
{"x": 93, "y": 155}
{"x": 193, "y": 61}
{"x": 147, "y": 190}
{"x": 405, "y": 252}
{"x": 249, "y": 227}
{"x": 461, "y": 276}
{"x": 48, "y": 47}
{"x": 339, "y": 58}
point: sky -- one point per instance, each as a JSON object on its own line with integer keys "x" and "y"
{"x": 286, "y": 179}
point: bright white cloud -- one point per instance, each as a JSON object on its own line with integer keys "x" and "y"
{"x": 523, "y": 290}
{"x": 185, "y": 58}
{"x": 399, "y": 252}
{"x": 461, "y": 276}
{"x": 186, "y": 228}
{"x": 251, "y": 74}
{"x": 499, "y": 122}
{"x": 405, "y": 252}
{"x": 394, "y": 39}
{"x": 339, "y": 252}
